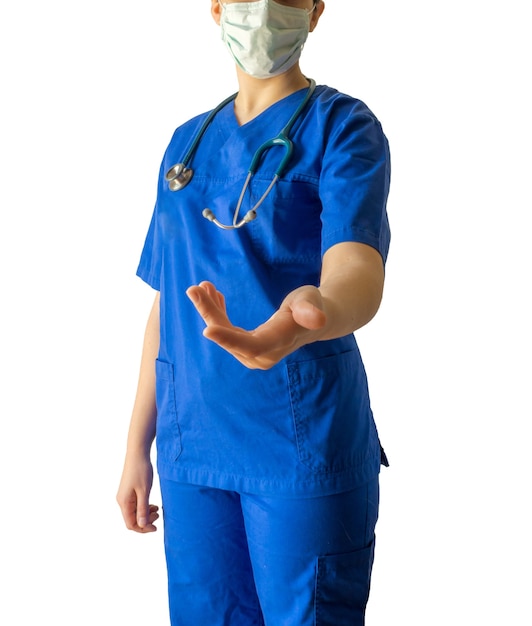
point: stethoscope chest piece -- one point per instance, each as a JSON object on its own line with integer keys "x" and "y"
{"x": 178, "y": 176}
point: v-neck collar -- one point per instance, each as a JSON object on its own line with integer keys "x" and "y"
{"x": 227, "y": 118}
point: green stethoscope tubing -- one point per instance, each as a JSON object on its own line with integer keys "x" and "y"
{"x": 180, "y": 174}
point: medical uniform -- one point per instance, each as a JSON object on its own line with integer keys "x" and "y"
{"x": 248, "y": 458}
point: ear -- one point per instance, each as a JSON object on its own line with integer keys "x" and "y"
{"x": 216, "y": 11}
{"x": 317, "y": 13}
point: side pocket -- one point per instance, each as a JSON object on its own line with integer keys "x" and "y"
{"x": 168, "y": 435}
{"x": 331, "y": 412}
{"x": 342, "y": 587}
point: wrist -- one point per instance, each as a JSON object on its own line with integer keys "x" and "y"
{"x": 139, "y": 448}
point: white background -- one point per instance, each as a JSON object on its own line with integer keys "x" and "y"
{"x": 91, "y": 93}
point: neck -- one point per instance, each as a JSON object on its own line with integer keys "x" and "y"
{"x": 255, "y": 95}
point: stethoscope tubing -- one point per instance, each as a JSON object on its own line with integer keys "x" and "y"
{"x": 180, "y": 174}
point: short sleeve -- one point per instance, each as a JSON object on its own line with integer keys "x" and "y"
{"x": 355, "y": 179}
{"x": 149, "y": 268}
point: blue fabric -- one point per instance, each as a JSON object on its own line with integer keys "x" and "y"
{"x": 243, "y": 559}
{"x": 305, "y": 426}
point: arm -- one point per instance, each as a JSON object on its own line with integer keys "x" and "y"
{"x": 352, "y": 282}
{"x": 137, "y": 475}
{"x": 349, "y": 295}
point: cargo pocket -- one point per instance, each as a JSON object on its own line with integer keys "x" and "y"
{"x": 168, "y": 435}
{"x": 342, "y": 587}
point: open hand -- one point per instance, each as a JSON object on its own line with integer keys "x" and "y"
{"x": 298, "y": 321}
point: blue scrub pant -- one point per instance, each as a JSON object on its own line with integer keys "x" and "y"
{"x": 250, "y": 560}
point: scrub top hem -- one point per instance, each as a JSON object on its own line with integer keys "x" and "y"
{"x": 321, "y": 485}
{"x": 148, "y": 278}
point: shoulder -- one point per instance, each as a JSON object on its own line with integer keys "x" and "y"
{"x": 334, "y": 105}
{"x": 183, "y": 139}
{"x": 344, "y": 119}
{"x": 189, "y": 127}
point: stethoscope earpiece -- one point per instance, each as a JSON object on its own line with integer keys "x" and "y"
{"x": 248, "y": 217}
{"x": 208, "y": 215}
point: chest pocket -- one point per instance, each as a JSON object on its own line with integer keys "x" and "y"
{"x": 288, "y": 225}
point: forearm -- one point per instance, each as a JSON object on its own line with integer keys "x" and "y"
{"x": 351, "y": 288}
{"x": 142, "y": 425}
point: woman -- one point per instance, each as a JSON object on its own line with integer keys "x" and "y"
{"x": 267, "y": 452}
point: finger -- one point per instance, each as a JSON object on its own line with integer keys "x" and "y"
{"x": 148, "y": 526}
{"x": 208, "y": 306}
{"x": 221, "y": 301}
{"x": 209, "y": 288}
{"x": 271, "y": 336}
{"x": 153, "y": 516}
{"x": 252, "y": 352}
{"x": 235, "y": 340}
{"x": 129, "y": 513}
{"x": 154, "y": 511}
{"x": 214, "y": 294}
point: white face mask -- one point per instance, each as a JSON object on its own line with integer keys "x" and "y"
{"x": 265, "y": 38}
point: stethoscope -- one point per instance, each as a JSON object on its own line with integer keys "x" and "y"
{"x": 180, "y": 174}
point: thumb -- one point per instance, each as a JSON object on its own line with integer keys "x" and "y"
{"x": 308, "y": 314}
{"x": 142, "y": 510}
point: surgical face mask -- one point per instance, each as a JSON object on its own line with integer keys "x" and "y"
{"x": 265, "y": 38}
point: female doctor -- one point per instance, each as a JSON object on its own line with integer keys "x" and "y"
{"x": 266, "y": 249}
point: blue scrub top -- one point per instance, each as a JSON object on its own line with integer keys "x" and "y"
{"x": 304, "y": 427}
